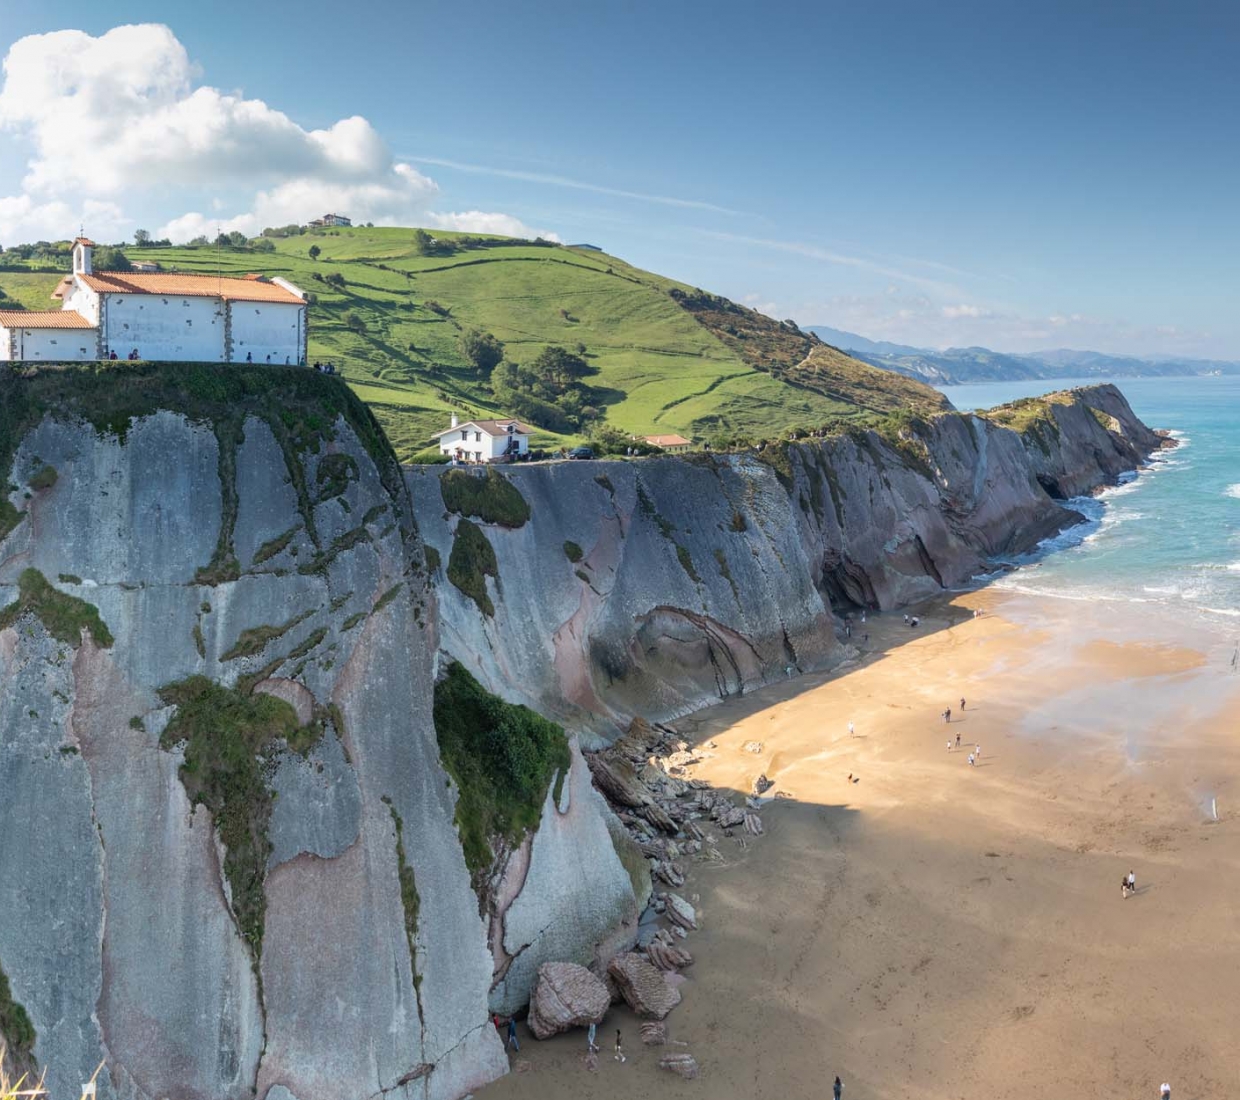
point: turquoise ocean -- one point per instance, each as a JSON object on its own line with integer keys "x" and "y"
{"x": 1169, "y": 536}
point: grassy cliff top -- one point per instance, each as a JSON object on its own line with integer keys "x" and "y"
{"x": 663, "y": 357}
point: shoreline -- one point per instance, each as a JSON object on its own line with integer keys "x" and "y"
{"x": 936, "y": 930}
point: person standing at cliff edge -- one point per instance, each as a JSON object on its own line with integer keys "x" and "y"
{"x": 512, "y": 1034}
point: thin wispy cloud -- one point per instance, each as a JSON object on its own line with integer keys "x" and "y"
{"x": 826, "y": 255}
{"x": 575, "y": 185}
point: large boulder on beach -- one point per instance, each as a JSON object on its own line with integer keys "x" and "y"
{"x": 643, "y": 985}
{"x": 565, "y": 996}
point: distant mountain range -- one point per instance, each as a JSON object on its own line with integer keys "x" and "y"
{"x": 956, "y": 365}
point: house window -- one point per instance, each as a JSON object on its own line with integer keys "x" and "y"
{"x": 477, "y": 437}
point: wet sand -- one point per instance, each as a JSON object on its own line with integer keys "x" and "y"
{"x": 935, "y": 930}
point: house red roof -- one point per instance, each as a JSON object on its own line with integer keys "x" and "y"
{"x": 189, "y": 286}
{"x": 43, "y": 318}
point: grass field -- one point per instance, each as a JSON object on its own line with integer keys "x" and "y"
{"x": 393, "y": 330}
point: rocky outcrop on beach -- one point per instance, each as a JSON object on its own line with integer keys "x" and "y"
{"x": 565, "y": 996}
{"x": 652, "y": 588}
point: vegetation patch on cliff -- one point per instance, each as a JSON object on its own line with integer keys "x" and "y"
{"x": 62, "y": 615}
{"x": 334, "y": 474}
{"x": 45, "y": 478}
{"x": 572, "y": 551}
{"x": 254, "y": 639}
{"x": 230, "y": 741}
{"x": 502, "y": 757}
{"x": 492, "y": 499}
{"x": 275, "y": 546}
{"x": 16, "y": 1031}
{"x": 473, "y": 560}
{"x": 410, "y": 899}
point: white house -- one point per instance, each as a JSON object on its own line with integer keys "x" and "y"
{"x": 330, "y": 220}
{"x": 484, "y": 440}
{"x": 195, "y": 318}
{"x": 60, "y": 335}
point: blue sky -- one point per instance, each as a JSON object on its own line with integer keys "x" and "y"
{"x": 1016, "y": 175}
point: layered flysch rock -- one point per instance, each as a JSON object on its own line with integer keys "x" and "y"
{"x": 306, "y": 960}
{"x": 655, "y": 587}
{"x": 121, "y": 937}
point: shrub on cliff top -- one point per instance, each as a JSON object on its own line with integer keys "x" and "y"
{"x": 492, "y": 499}
{"x": 502, "y": 758}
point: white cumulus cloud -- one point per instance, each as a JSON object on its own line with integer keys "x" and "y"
{"x": 120, "y": 118}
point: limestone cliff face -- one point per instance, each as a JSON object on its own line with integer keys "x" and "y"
{"x": 703, "y": 577}
{"x": 315, "y": 934}
{"x": 123, "y": 935}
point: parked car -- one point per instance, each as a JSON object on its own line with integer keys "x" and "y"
{"x": 581, "y": 452}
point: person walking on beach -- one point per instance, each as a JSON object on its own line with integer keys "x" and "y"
{"x": 962, "y": 702}
{"x": 977, "y": 751}
{"x": 957, "y": 740}
{"x": 949, "y": 746}
{"x": 1164, "y": 1093}
{"x": 837, "y": 1090}
{"x": 851, "y": 729}
{"x": 512, "y": 1034}
{"x": 1132, "y": 882}
{"x": 947, "y": 715}
{"x": 972, "y": 762}
{"x": 591, "y": 1045}
{"x": 619, "y": 1048}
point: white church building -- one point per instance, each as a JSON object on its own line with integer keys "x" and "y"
{"x": 186, "y": 318}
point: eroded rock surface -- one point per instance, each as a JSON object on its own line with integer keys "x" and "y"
{"x": 703, "y": 578}
{"x": 643, "y": 985}
{"x": 565, "y": 996}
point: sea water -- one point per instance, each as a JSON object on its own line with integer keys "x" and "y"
{"x": 1169, "y": 535}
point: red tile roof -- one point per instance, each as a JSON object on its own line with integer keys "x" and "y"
{"x": 668, "y": 441}
{"x": 189, "y": 286}
{"x": 46, "y": 318}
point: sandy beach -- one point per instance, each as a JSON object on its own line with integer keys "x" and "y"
{"x": 934, "y": 930}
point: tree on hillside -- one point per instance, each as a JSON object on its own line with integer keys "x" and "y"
{"x": 112, "y": 259}
{"x": 141, "y": 238}
{"x": 263, "y": 244}
{"x": 557, "y": 367}
{"x": 315, "y": 250}
{"x": 423, "y": 243}
{"x": 482, "y": 349}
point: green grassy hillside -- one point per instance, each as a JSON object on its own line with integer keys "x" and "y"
{"x": 662, "y": 356}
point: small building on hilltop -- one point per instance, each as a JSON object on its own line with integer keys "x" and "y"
{"x": 673, "y": 443}
{"x": 329, "y": 220}
{"x": 484, "y": 440}
{"x": 143, "y": 315}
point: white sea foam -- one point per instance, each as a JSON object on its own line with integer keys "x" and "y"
{"x": 1232, "y": 491}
